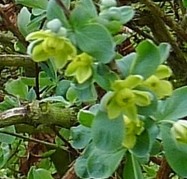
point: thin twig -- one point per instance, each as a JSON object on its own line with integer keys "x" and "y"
{"x": 37, "y": 83}
{"x": 62, "y": 5}
{"x": 72, "y": 150}
{"x": 33, "y": 140}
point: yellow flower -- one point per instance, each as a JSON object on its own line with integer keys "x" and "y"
{"x": 160, "y": 87}
{"x": 179, "y": 131}
{"x": 133, "y": 127}
{"x": 125, "y": 97}
{"x": 80, "y": 67}
{"x": 46, "y": 44}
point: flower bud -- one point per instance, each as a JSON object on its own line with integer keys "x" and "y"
{"x": 179, "y": 131}
{"x": 54, "y": 25}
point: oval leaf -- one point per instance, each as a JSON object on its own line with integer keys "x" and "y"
{"x": 147, "y": 60}
{"x": 89, "y": 36}
{"x": 175, "y": 106}
{"x": 102, "y": 164}
{"x": 108, "y": 134}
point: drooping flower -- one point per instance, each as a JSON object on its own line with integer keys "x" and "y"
{"x": 125, "y": 98}
{"x": 179, "y": 131}
{"x": 46, "y": 44}
{"x": 80, "y": 67}
{"x": 157, "y": 84}
{"x": 133, "y": 128}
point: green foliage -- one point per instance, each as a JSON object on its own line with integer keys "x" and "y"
{"x": 94, "y": 39}
{"x": 39, "y": 173}
{"x": 17, "y": 88}
{"x": 144, "y": 60}
{"x": 132, "y": 168}
{"x": 127, "y": 109}
{"x": 173, "y": 148}
{"x": 104, "y": 129}
{"x": 7, "y": 138}
{"x": 168, "y": 110}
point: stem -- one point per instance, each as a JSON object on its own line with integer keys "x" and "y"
{"x": 37, "y": 83}
{"x": 33, "y": 140}
{"x": 72, "y": 150}
{"x": 62, "y": 5}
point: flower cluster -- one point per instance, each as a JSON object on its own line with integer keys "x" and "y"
{"x": 80, "y": 67}
{"x": 46, "y": 44}
{"x": 157, "y": 84}
{"x": 126, "y": 95}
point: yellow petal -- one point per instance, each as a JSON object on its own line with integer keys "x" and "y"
{"x": 53, "y": 45}
{"x": 165, "y": 89}
{"x": 39, "y": 35}
{"x": 38, "y": 54}
{"x": 60, "y": 60}
{"x": 71, "y": 69}
{"x": 113, "y": 109}
{"x": 163, "y": 71}
{"x": 83, "y": 73}
{"x": 130, "y": 82}
{"x": 125, "y": 97}
{"x": 129, "y": 141}
{"x": 142, "y": 98}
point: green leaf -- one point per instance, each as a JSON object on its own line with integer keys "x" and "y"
{"x": 125, "y": 63}
{"x": 127, "y": 14}
{"x": 184, "y": 3}
{"x": 104, "y": 77}
{"x": 17, "y": 88}
{"x": 87, "y": 94}
{"x": 101, "y": 164}
{"x": 59, "y": 99}
{"x": 39, "y": 173}
{"x": 85, "y": 117}
{"x": 83, "y": 12}
{"x": 132, "y": 168}
{"x": 23, "y": 20}
{"x": 81, "y": 167}
{"x": 34, "y": 3}
{"x": 142, "y": 146}
{"x": 8, "y": 103}
{"x": 61, "y": 159}
{"x": 164, "y": 49}
{"x": 176, "y": 153}
{"x": 71, "y": 94}
{"x": 174, "y": 107}
{"x": 54, "y": 11}
{"x": 95, "y": 40}
{"x": 108, "y": 135}
{"x": 147, "y": 59}
{"x": 62, "y": 87}
{"x": 43, "y": 81}
{"x": 81, "y": 136}
{"x": 8, "y": 139}
{"x": 5, "y": 154}
{"x": 35, "y": 23}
